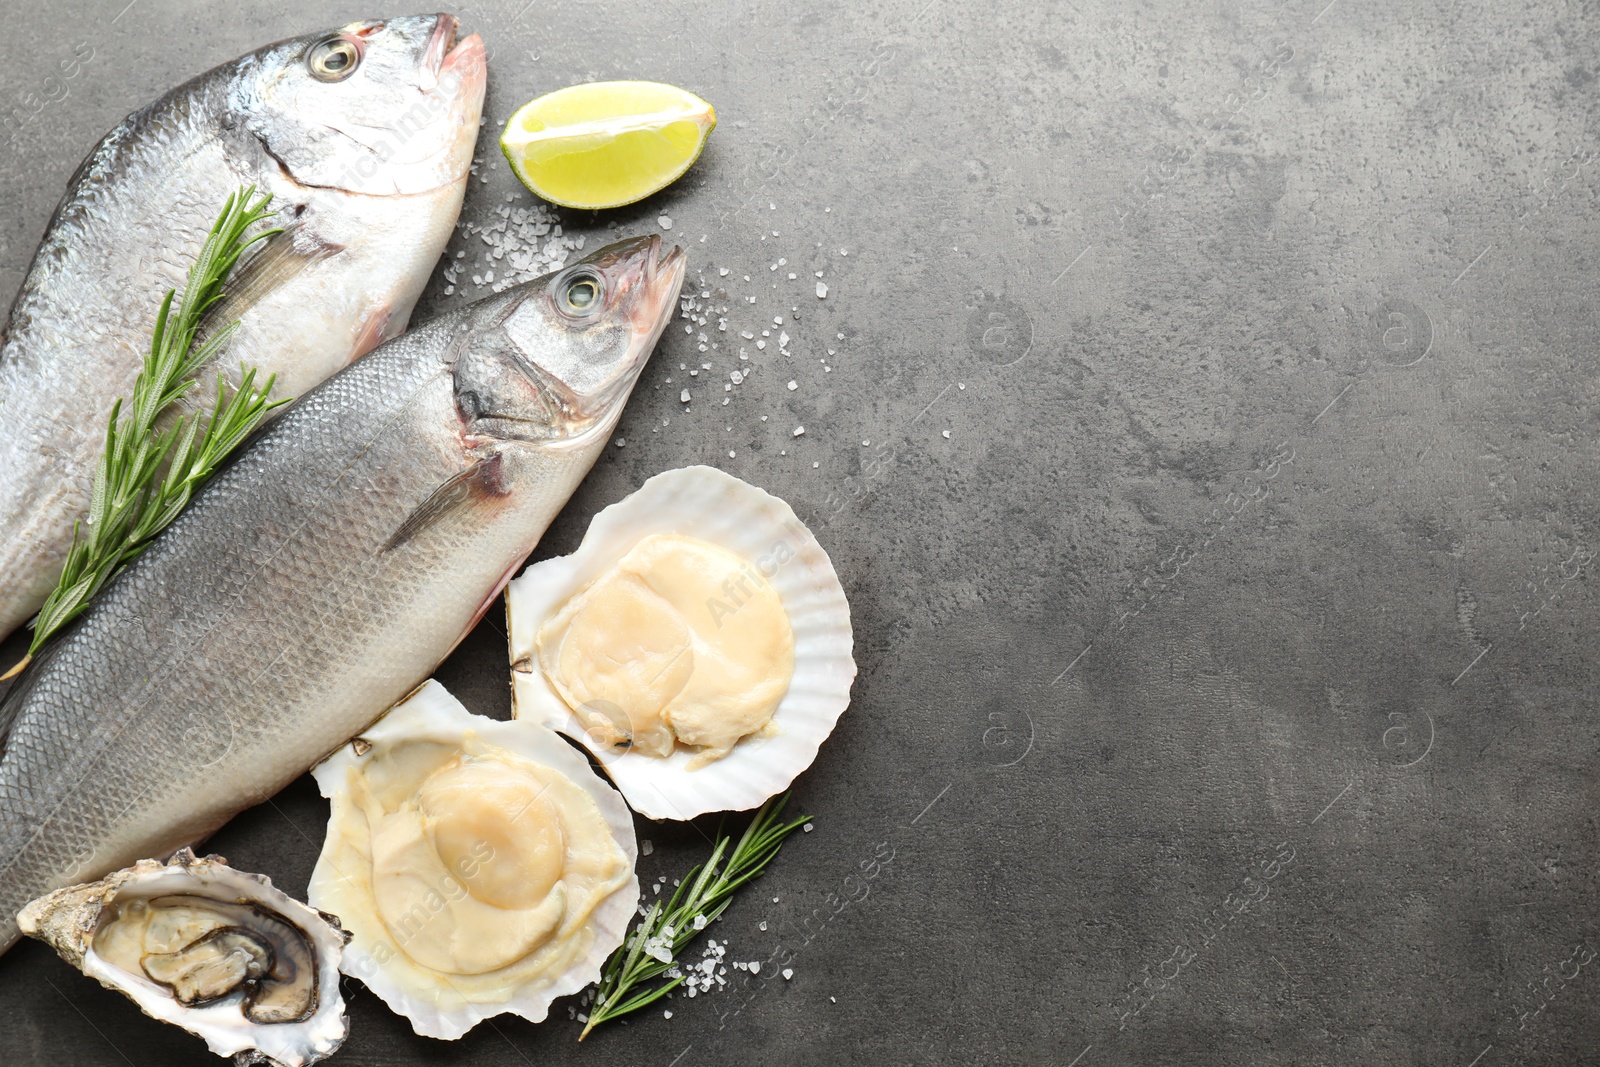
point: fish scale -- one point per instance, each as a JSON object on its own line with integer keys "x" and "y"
{"x": 277, "y": 616}
{"x": 138, "y": 210}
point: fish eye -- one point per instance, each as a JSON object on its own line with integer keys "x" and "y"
{"x": 581, "y": 293}
{"x": 333, "y": 59}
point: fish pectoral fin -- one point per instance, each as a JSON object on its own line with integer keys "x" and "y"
{"x": 474, "y": 489}
{"x": 279, "y": 260}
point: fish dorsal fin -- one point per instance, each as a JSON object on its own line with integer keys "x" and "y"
{"x": 279, "y": 260}
{"x": 470, "y": 491}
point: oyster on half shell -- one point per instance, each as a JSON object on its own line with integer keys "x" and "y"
{"x": 214, "y": 950}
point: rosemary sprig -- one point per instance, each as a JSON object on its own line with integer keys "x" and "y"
{"x": 146, "y": 475}
{"x": 653, "y": 946}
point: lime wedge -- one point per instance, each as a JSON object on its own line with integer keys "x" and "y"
{"x": 605, "y": 144}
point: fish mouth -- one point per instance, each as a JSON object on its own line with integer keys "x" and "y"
{"x": 444, "y": 55}
{"x": 659, "y": 276}
{"x": 651, "y": 280}
{"x": 431, "y": 62}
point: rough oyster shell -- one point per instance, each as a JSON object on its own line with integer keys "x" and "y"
{"x": 83, "y": 924}
{"x": 708, "y": 504}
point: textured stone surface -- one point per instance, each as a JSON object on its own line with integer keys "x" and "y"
{"x": 1226, "y": 673}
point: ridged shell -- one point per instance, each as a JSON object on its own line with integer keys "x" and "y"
{"x": 431, "y": 713}
{"x": 713, "y": 506}
{"x": 68, "y": 920}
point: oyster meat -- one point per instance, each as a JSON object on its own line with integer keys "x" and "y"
{"x": 214, "y": 950}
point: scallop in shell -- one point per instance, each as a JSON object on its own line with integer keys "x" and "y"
{"x": 481, "y": 865}
{"x": 214, "y": 950}
{"x": 673, "y": 596}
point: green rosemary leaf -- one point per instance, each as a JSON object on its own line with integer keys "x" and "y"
{"x": 147, "y": 474}
{"x": 703, "y": 895}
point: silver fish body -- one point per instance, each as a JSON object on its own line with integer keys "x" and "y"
{"x": 321, "y": 576}
{"x": 367, "y": 173}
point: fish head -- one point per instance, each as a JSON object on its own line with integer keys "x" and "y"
{"x": 382, "y": 107}
{"x": 553, "y": 360}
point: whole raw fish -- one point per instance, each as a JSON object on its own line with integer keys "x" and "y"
{"x": 363, "y": 136}
{"x": 321, "y": 576}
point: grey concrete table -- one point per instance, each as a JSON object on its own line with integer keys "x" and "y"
{"x": 1200, "y": 417}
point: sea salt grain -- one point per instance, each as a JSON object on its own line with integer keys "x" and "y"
{"x": 822, "y": 291}
{"x": 666, "y": 223}
{"x": 788, "y": 973}
{"x": 798, "y": 431}
{"x": 793, "y": 385}
{"x": 684, "y": 396}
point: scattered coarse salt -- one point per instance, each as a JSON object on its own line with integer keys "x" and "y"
{"x": 793, "y": 276}
{"x": 722, "y": 272}
{"x": 961, "y": 385}
{"x": 684, "y": 396}
{"x": 807, "y": 828}
{"x": 783, "y": 339}
{"x": 622, "y": 442}
{"x": 814, "y": 466}
{"x": 947, "y": 435}
{"x": 761, "y": 343}
{"x": 793, "y": 385}
{"x": 762, "y": 925}
{"x": 755, "y": 966}
{"x": 665, "y": 222}
{"x": 731, "y": 453}
{"x": 822, "y": 291}
{"x": 736, "y": 376}
{"x": 646, "y": 847}
{"x": 667, "y": 1014}
{"x": 843, "y": 252}
{"x": 788, "y": 973}
{"x": 798, "y": 431}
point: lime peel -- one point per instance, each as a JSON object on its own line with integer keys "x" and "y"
{"x": 606, "y": 144}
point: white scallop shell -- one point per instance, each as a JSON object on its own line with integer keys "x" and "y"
{"x": 69, "y": 918}
{"x": 708, "y": 504}
{"x": 431, "y": 713}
